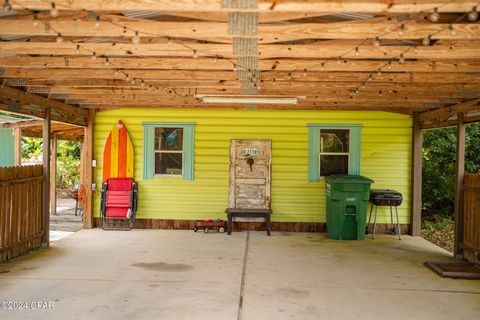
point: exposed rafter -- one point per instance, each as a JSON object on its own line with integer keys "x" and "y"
{"x": 319, "y": 6}
{"x": 438, "y": 117}
{"x": 61, "y": 112}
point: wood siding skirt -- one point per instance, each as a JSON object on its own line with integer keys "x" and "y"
{"x": 321, "y": 227}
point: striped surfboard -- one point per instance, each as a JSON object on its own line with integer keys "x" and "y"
{"x": 118, "y": 154}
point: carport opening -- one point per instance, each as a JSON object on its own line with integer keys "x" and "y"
{"x": 438, "y": 191}
{"x": 66, "y": 212}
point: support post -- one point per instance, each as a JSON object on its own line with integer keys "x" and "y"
{"x": 17, "y": 146}
{"x": 88, "y": 170}
{"x": 82, "y": 161}
{"x": 460, "y": 173}
{"x": 46, "y": 179}
{"x": 416, "y": 172}
{"x": 53, "y": 176}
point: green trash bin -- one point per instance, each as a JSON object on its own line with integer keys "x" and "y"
{"x": 347, "y": 202}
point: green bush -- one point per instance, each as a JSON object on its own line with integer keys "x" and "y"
{"x": 31, "y": 148}
{"x": 439, "y": 161}
{"x": 68, "y": 163}
{"x": 68, "y": 159}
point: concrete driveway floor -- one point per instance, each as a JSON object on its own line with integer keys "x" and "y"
{"x": 172, "y": 274}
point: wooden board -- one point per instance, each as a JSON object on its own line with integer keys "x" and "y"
{"x": 118, "y": 154}
{"x": 454, "y": 270}
{"x": 250, "y": 174}
{"x": 471, "y": 218}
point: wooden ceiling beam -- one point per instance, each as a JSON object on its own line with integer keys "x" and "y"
{"x": 329, "y": 50}
{"x": 401, "y": 108}
{"x": 58, "y": 86}
{"x": 89, "y": 86}
{"x": 118, "y": 26}
{"x": 443, "y": 114}
{"x": 192, "y": 77}
{"x": 385, "y": 98}
{"x": 21, "y": 109}
{"x": 450, "y": 123}
{"x": 23, "y": 124}
{"x": 370, "y": 6}
{"x": 62, "y": 112}
{"x": 445, "y": 92}
{"x": 70, "y": 62}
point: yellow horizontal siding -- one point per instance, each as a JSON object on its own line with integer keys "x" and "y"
{"x": 385, "y": 157}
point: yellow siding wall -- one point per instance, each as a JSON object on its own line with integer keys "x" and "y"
{"x": 385, "y": 158}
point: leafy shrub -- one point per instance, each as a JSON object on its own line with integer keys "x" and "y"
{"x": 31, "y": 148}
{"x": 68, "y": 163}
{"x": 68, "y": 159}
{"x": 439, "y": 160}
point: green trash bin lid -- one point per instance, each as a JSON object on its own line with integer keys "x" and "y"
{"x": 348, "y": 178}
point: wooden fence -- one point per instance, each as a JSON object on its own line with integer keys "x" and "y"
{"x": 20, "y": 210}
{"x": 471, "y": 219}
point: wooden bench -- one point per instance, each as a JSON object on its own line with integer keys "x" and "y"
{"x": 250, "y": 213}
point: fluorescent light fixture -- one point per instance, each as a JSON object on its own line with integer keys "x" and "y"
{"x": 246, "y": 99}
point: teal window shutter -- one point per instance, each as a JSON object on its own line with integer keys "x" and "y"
{"x": 355, "y": 146}
{"x": 314, "y": 148}
{"x": 148, "y": 154}
{"x": 188, "y": 148}
{"x": 189, "y": 151}
{"x": 313, "y": 154}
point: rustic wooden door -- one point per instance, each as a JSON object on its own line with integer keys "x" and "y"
{"x": 250, "y": 174}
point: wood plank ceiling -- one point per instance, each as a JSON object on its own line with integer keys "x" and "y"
{"x": 399, "y": 56}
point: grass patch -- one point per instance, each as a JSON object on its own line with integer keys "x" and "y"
{"x": 439, "y": 230}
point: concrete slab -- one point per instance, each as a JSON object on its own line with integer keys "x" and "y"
{"x": 167, "y": 274}
{"x": 65, "y": 218}
{"x": 308, "y": 276}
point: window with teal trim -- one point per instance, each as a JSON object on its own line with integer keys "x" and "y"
{"x": 333, "y": 149}
{"x": 168, "y": 149}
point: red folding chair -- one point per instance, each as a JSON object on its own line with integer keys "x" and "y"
{"x": 119, "y": 204}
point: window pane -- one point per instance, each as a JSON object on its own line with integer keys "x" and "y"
{"x": 168, "y": 138}
{"x": 336, "y": 140}
{"x": 333, "y": 165}
{"x": 168, "y": 163}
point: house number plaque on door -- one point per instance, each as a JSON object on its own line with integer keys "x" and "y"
{"x": 254, "y": 152}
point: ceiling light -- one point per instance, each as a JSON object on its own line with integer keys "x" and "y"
{"x": 434, "y": 16}
{"x": 53, "y": 10}
{"x": 473, "y": 15}
{"x": 246, "y": 99}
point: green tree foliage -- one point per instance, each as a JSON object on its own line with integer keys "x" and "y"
{"x": 68, "y": 159}
{"x": 439, "y": 153}
{"x": 31, "y": 148}
{"x": 68, "y": 163}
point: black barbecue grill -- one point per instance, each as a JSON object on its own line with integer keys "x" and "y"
{"x": 385, "y": 197}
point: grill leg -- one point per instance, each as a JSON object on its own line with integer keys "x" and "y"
{"x": 369, "y": 219}
{"x": 391, "y": 218}
{"x": 375, "y": 222}
{"x": 229, "y": 224}
{"x": 398, "y": 225}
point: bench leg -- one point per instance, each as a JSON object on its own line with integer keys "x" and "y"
{"x": 229, "y": 224}
{"x": 268, "y": 224}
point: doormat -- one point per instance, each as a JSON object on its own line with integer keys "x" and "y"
{"x": 455, "y": 270}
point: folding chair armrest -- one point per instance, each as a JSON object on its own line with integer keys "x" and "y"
{"x": 103, "y": 202}
{"x": 134, "y": 197}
